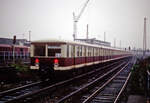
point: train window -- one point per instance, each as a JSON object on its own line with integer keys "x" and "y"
{"x": 88, "y": 51}
{"x": 54, "y": 51}
{"x": 100, "y": 52}
{"x": 80, "y": 50}
{"x": 72, "y": 51}
{"x": 67, "y": 50}
{"x": 103, "y": 52}
{"x": 93, "y": 51}
{"x": 107, "y": 52}
{"x": 39, "y": 50}
{"x": 77, "y": 51}
{"x": 96, "y": 51}
{"x": 85, "y": 51}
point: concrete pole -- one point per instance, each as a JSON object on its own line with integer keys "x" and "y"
{"x": 115, "y": 42}
{"x": 87, "y": 32}
{"x": 120, "y": 43}
{"x": 29, "y": 36}
{"x": 104, "y": 36}
{"x": 144, "y": 37}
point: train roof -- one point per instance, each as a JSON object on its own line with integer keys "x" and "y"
{"x": 71, "y": 42}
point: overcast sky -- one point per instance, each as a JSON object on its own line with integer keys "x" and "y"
{"x": 120, "y": 19}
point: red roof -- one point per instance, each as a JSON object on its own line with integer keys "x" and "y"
{"x": 9, "y": 46}
{"x": 5, "y": 45}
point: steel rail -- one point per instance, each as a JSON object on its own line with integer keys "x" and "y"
{"x": 122, "y": 89}
{"x": 18, "y": 88}
{"x": 101, "y": 87}
{"x": 56, "y": 84}
{"x": 88, "y": 85}
{"x": 125, "y": 84}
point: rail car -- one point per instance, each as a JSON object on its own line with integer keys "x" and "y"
{"x": 6, "y": 53}
{"x": 52, "y": 57}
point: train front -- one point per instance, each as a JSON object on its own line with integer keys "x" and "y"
{"x": 46, "y": 57}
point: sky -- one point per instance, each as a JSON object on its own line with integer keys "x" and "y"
{"x": 122, "y": 20}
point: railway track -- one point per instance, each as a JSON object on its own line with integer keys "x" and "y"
{"x": 31, "y": 91}
{"x": 100, "y": 82}
{"x": 78, "y": 84}
{"x": 111, "y": 90}
{"x": 10, "y": 94}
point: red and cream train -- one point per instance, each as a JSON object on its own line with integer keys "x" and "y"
{"x": 6, "y": 53}
{"x": 52, "y": 56}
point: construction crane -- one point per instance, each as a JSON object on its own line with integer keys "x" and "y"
{"x": 76, "y": 19}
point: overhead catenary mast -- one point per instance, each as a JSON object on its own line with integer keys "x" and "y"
{"x": 104, "y": 36}
{"x": 114, "y": 42}
{"x": 120, "y": 43}
{"x": 76, "y": 19}
{"x": 29, "y": 35}
{"x": 144, "y": 38}
{"x": 87, "y": 32}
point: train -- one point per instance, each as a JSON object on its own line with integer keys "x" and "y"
{"x": 8, "y": 52}
{"x": 54, "y": 57}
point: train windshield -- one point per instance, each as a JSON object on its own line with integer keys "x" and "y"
{"x": 49, "y": 50}
{"x": 54, "y": 51}
{"x": 39, "y": 50}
